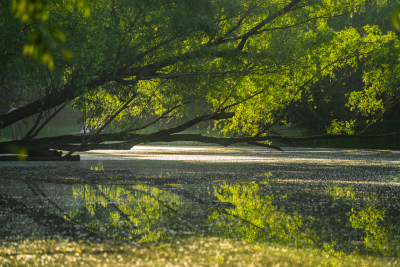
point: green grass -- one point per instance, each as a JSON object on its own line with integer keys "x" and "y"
{"x": 194, "y": 251}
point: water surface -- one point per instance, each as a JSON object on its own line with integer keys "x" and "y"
{"x": 303, "y": 198}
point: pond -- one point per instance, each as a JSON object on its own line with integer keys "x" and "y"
{"x": 154, "y": 205}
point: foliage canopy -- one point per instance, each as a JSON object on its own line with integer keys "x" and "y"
{"x": 246, "y": 65}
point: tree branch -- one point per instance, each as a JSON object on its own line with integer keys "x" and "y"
{"x": 98, "y": 131}
{"x": 31, "y": 135}
{"x": 177, "y": 75}
{"x": 256, "y": 28}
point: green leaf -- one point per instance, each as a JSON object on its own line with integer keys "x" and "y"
{"x": 395, "y": 18}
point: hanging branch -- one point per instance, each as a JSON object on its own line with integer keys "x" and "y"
{"x": 265, "y": 145}
{"x": 28, "y": 134}
{"x": 389, "y": 107}
{"x": 32, "y": 132}
{"x": 162, "y": 116}
{"x": 255, "y": 30}
{"x": 98, "y": 131}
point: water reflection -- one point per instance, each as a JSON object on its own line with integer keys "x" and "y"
{"x": 256, "y": 218}
{"x": 136, "y": 212}
{"x": 330, "y": 217}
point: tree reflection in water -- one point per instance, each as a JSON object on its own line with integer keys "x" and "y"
{"x": 255, "y": 218}
{"x": 246, "y": 211}
{"x": 332, "y": 218}
{"x": 136, "y": 212}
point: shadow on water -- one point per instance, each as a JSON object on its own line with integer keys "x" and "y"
{"x": 344, "y": 218}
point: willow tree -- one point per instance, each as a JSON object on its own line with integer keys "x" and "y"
{"x": 239, "y": 64}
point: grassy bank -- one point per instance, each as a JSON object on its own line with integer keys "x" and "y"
{"x": 193, "y": 251}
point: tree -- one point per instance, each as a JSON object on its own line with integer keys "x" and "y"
{"x": 241, "y": 65}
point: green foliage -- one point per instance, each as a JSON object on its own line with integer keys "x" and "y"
{"x": 40, "y": 49}
{"x": 327, "y": 52}
{"x": 44, "y": 39}
{"x": 381, "y": 73}
{"x": 395, "y": 18}
{"x": 377, "y": 236}
{"x": 201, "y": 57}
{"x": 341, "y": 127}
{"x": 29, "y": 11}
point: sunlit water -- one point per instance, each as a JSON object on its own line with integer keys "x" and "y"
{"x": 347, "y": 199}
